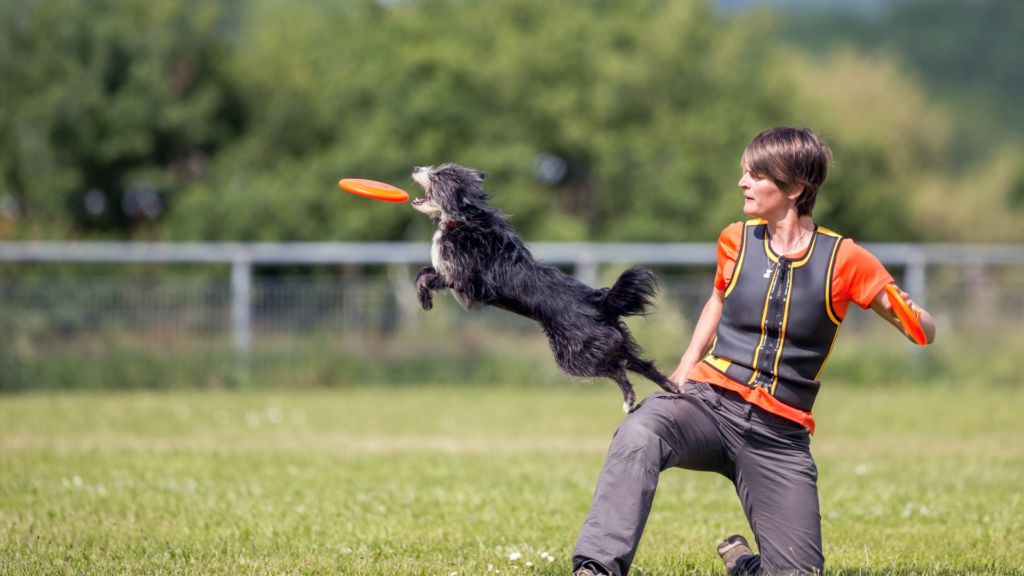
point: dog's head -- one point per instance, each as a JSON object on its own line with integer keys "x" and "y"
{"x": 453, "y": 192}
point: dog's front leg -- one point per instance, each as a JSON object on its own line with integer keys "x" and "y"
{"x": 423, "y": 277}
{"x": 428, "y": 281}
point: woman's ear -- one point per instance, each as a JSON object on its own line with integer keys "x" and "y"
{"x": 795, "y": 192}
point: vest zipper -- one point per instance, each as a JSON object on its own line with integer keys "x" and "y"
{"x": 773, "y": 325}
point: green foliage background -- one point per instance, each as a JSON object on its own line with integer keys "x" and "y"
{"x": 967, "y": 52}
{"x": 244, "y": 114}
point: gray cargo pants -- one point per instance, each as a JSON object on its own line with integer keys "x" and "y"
{"x": 708, "y": 428}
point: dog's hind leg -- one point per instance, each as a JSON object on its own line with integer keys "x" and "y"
{"x": 647, "y": 369}
{"x": 618, "y": 373}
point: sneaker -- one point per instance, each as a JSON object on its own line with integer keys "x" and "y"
{"x": 732, "y": 548}
{"x": 589, "y": 569}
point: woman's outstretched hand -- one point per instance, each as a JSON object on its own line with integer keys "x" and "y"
{"x": 883, "y": 308}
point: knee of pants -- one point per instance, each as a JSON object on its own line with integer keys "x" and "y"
{"x": 637, "y": 438}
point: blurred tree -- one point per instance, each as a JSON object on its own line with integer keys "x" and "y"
{"x": 968, "y": 52}
{"x": 105, "y": 106}
{"x": 648, "y": 104}
{"x": 607, "y": 120}
{"x": 596, "y": 119}
{"x": 887, "y": 138}
{"x": 962, "y": 57}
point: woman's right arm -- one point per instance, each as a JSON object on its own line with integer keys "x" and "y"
{"x": 703, "y": 338}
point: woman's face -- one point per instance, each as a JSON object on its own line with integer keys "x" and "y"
{"x": 763, "y": 199}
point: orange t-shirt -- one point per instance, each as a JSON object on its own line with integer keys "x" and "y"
{"x": 857, "y": 277}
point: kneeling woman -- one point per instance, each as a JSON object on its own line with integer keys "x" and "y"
{"x": 750, "y": 374}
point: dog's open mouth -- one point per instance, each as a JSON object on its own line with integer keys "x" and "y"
{"x": 426, "y": 205}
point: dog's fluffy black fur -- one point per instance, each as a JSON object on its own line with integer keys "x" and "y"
{"x": 479, "y": 257}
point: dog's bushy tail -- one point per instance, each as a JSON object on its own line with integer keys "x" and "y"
{"x": 631, "y": 295}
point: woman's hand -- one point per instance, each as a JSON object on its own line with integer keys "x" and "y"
{"x": 679, "y": 376}
{"x": 702, "y": 340}
{"x": 883, "y": 308}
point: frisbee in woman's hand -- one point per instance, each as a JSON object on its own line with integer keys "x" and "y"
{"x": 373, "y": 189}
{"x": 909, "y": 318}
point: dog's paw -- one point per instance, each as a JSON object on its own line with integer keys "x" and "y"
{"x": 630, "y": 400}
{"x": 425, "y": 298}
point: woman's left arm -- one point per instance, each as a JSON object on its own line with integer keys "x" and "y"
{"x": 883, "y": 308}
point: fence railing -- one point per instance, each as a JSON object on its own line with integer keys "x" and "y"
{"x": 970, "y": 280}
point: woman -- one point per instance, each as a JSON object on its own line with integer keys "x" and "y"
{"x": 750, "y": 374}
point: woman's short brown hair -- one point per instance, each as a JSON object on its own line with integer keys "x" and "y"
{"x": 791, "y": 158}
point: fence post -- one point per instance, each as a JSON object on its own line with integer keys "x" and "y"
{"x": 915, "y": 281}
{"x": 916, "y": 278}
{"x": 241, "y": 310}
{"x": 585, "y": 268}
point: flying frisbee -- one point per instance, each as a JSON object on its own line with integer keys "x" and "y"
{"x": 908, "y": 318}
{"x": 373, "y": 189}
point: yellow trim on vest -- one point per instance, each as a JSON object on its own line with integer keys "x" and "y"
{"x": 720, "y": 364}
{"x": 824, "y": 230}
{"x": 768, "y": 249}
{"x": 828, "y": 291}
{"x": 739, "y": 260}
{"x": 825, "y": 361}
{"x": 828, "y": 298}
{"x": 796, "y": 264}
{"x": 810, "y": 250}
{"x": 782, "y": 334}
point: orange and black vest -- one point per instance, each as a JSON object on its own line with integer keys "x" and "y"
{"x": 778, "y": 325}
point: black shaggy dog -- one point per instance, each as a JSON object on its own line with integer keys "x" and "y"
{"x": 481, "y": 259}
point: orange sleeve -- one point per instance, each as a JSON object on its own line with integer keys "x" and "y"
{"x": 728, "y": 248}
{"x": 858, "y": 277}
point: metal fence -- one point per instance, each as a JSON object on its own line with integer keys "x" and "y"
{"x": 241, "y": 314}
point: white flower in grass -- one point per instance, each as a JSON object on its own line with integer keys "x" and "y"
{"x": 490, "y": 567}
{"x": 551, "y": 558}
{"x": 543, "y": 554}
{"x": 454, "y": 574}
{"x": 222, "y": 417}
{"x": 275, "y": 415}
{"x": 514, "y": 556}
{"x": 861, "y": 469}
{"x": 252, "y": 419}
{"x": 528, "y": 564}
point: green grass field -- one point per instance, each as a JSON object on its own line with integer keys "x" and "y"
{"x": 444, "y": 480}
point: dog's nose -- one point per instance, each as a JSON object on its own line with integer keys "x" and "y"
{"x": 416, "y": 169}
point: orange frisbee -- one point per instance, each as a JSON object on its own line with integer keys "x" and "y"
{"x": 373, "y": 189}
{"x": 908, "y": 318}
